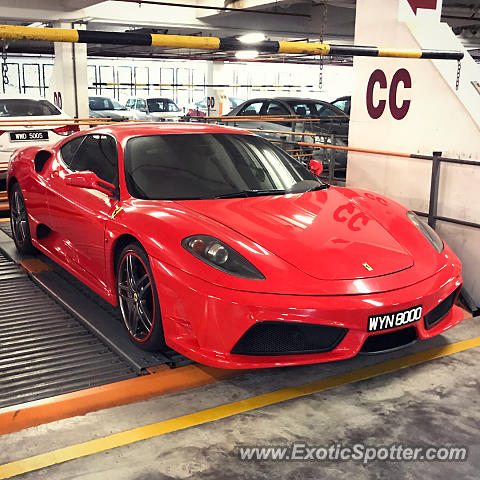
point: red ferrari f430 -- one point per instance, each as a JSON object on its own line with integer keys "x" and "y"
{"x": 217, "y": 243}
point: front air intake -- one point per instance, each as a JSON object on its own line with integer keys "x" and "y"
{"x": 288, "y": 338}
{"x": 440, "y": 311}
{"x": 384, "y": 342}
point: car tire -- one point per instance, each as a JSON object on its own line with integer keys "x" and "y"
{"x": 138, "y": 298}
{"x": 19, "y": 221}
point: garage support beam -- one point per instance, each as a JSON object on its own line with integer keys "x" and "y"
{"x": 10, "y": 32}
{"x": 68, "y": 85}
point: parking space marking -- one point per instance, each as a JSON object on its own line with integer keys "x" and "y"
{"x": 127, "y": 437}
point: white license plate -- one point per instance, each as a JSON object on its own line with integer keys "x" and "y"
{"x": 385, "y": 321}
{"x": 28, "y": 136}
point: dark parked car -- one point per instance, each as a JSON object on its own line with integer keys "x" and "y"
{"x": 332, "y": 121}
{"x": 343, "y": 103}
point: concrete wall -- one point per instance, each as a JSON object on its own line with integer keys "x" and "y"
{"x": 439, "y": 118}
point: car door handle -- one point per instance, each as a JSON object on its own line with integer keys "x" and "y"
{"x": 261, "y": 127}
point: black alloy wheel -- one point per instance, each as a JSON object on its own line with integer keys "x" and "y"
{"x": 138, "y": 300}
{"x": 19, "y": 221}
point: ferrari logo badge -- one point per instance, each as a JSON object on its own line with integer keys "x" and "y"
{"x": 116, "y": 211}
{"x": 367, "y": 266}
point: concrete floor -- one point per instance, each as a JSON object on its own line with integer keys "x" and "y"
{"x": 435, "y": 403}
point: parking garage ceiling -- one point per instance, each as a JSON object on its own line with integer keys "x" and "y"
{"x": 293, "y": 20}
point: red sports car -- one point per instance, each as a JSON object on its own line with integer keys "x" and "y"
{"x": 217, "y": 243}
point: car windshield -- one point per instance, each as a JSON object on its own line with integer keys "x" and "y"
{"x": 161, "y": 105}
{"x": 24, "y": 107}
{"x": 202, "y": 166}
{"x": 104, "y": 103}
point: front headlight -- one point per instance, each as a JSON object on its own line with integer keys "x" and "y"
{"x": 427, "y": 231}
{"x": 219, "y": 255}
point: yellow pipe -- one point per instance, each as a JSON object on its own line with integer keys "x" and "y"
{"x": 301, "y": 47}
{"x": 398, "y": 53}
{"x": 11, "y": 32}
{"x": 184, "y": 41}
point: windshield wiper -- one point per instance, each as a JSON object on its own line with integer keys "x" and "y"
{"x": 323, "y": 186}
{"x": 250, "y": 193}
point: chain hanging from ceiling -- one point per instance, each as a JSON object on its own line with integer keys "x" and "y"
{"x": 459, "y": 69}
{"x": 323, "y": 28}
{"x": 5, "y": 80}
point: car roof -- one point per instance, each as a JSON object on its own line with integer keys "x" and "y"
{"x": 289, "y": 99}
{"x": 23, "y": 97}
{"x": 150, "y": 97}
{"x": 132, "y": 129}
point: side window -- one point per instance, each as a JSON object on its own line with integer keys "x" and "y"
{"x": 341, "y": 104}
{"x": 251, "y": 109}
{"x": 302, "y": 109}
{"x": 326, "y": 112}
{"x": 141, "y": 103}
{"x": 172, "y": 107}
{"x": 275, "y": 108}
{"x": 69, "y": 149}
{"x": 98, "y": 154}
{"x": 130, "y": 103}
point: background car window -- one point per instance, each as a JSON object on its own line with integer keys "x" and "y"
{"x": 251, "y": 109}
{"x": 23, "y": 107}
{"x": 324, "y": 111}
{"x": 161, "y": 105}
{"x": 98, "y": 154}
{"x": 275, "y": 108}
{"x": 341, "y": 104}
{"x": 130, "y": 103}
{"x": 172, "y": 107}
{"x": 202, "y": 103}
{"x": 69, "y": 149}
{"x": 141, "y": 103}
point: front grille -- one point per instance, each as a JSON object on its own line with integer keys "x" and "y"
{"x": 389, "y": 341}
{"x": 440, "y": 311}
{"x": 288, "y": 338}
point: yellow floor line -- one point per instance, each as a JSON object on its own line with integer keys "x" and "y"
{"x": 92, "y": 447}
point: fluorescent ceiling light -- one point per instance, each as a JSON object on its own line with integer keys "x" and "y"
{"x": 253, "y": 37}
{"x": 36, "y": 24}
{"x": 246, "y": 54}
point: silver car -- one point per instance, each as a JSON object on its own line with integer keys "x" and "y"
{"x": 105, "y": 107}
{"x": 158, "y": 109}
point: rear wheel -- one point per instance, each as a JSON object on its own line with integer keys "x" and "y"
{"x": 138, "y": 299}
{"x": 19, "y": 221}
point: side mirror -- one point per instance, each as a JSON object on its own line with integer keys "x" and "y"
{"x": 315, "y": 167}
{"x": 90, "y": 180}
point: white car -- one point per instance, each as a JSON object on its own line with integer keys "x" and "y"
{"x": 18, "y": 110}
{"x": 158, "y": 109}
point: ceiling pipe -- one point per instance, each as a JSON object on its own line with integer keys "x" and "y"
{"x": 11, "y": 32}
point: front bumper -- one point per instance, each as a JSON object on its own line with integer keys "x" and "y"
{"x": 204, "y": 322}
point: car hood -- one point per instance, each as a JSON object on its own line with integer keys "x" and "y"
{"x": 324, "y": 234}
{"x": 113, "y": 114}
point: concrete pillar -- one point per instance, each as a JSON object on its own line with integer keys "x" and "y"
{"x": 216, "y": 97}
{"x": 69, "y": 84}
{"x": 413, "y": 106}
